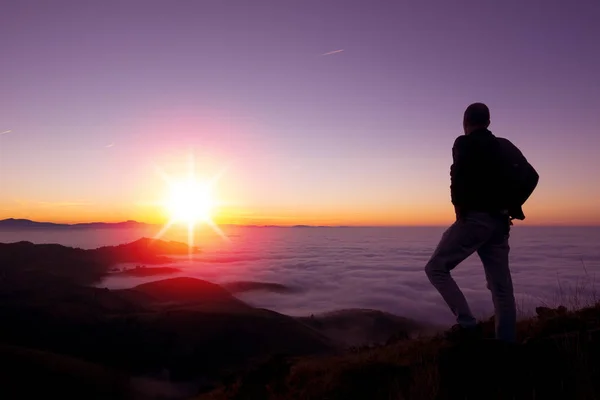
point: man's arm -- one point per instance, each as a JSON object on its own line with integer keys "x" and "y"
{"x": 458, "y": 174}
{"x": 525, "y": 182}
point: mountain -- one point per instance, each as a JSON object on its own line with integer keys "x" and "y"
{"x": 32, "y": 261}
{"x": 186, "y": 329}
{"x": 557, "y": 357}
{"x": 12, "y": 223}
{"x": 188, "y": 291}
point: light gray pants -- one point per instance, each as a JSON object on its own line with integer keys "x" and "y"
{"x": 488, "y": 235}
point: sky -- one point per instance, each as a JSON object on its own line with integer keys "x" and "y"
{"x": 318, "y": 112}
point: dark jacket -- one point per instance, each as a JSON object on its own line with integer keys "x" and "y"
{"x": 477, "y": 173}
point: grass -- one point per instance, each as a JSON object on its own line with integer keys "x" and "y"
{"x": 559, "y": 357}
{"x": 580, "y": 293}
{"x": 583, "y": 293}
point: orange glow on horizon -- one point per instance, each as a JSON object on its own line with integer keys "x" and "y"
{"x": 544, "y": 209}
{"x": 543, "y": 216}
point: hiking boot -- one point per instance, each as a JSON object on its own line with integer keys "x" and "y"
{"x": 459, "y": 333}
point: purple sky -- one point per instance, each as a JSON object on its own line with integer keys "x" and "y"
{"x": 96, "y": 93}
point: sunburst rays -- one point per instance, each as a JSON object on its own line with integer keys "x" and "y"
{"x": 191, "y": 215}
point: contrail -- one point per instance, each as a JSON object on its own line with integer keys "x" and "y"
{"x": 333, "y": 52}
{"x": 109, "y": 145}
{"x": 8, "y": 131}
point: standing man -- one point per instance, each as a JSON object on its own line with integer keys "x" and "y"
{"x": 490, "y": 180}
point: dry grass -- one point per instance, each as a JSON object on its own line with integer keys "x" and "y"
{"x": 574, "y": 294}
{"x": 561, "y": 359}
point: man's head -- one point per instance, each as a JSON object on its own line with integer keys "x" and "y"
{"x": 477, "y": 116}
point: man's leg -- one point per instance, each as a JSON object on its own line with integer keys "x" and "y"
{"x": 459, "y": 241}
{"x": 494, "y": 255}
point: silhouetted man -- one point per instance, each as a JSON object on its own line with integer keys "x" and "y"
{"x": 483, "y": 204}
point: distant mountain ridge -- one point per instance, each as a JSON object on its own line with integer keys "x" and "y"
{"x": 13, "y": 223}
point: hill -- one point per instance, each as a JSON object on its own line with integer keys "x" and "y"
{"x": 558, "y": 356}
{"x": 183, "y": 337}
{"x": 55, "y": 373}
{"x": 16, "y": 224}
{"x": 144, "y": 271}
{"x": 12, "y": 223}
{"x": 82, "y": 266}
{"x": 186, "y": 291}
{"x": 360, "y": 327}
{"x": 191, "y": 331}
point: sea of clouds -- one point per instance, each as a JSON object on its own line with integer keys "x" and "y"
{"x": 379, "y": 268}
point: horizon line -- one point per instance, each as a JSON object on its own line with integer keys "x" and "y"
{"x": 74, "y": 224}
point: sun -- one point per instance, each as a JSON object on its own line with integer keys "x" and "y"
{"x": 190, "y": 202}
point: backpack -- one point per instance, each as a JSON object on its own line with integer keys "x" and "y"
{"x": 519, "y": 177}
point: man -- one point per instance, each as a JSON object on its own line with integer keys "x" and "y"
{"x": 483, "y": 206}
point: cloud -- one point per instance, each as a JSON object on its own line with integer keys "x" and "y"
{"x": 333, "y": 52}
{"x": 340, "y": 268}
{"x": 109, "y": 145}
{"x": 5, "y": 132}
